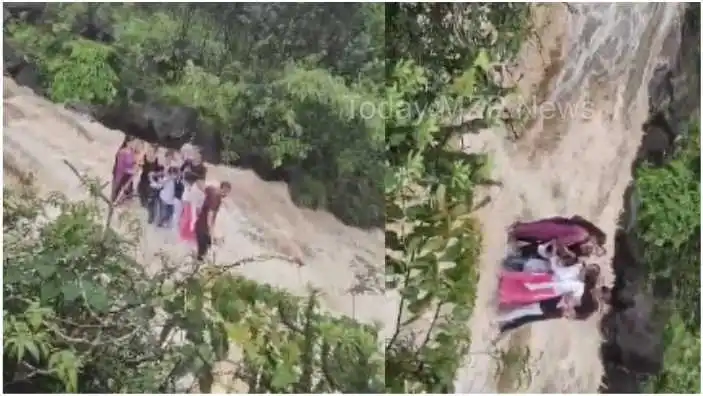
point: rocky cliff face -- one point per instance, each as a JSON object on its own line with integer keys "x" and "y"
{"x": 632, "y": 347}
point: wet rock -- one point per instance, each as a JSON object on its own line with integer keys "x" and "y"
{"x": 16, "y": 65}
{"x": 658, "y": 140}
{"x": 96, "y": 31}
{"x": 92, "y": 26}
{"x": 258, "y": 162}
{"x": 209, "y": 140}
{"x": 13, "y": 61}
{"x": 30, "y": 76}
{"x": 169, "y": 126}
{"x": 632, "y": 347}
{"x": 30, "y": 12}
{"x": 674, "y": 90}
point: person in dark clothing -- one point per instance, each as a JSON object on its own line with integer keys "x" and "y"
{"x": 550, "y": 310}
{"x": 208, "y": 214}
{"x": 150, "y": 164}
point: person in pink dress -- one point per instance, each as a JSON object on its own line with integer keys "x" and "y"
{"x": 123, "y": 171}
{"x": 568, "y": 300}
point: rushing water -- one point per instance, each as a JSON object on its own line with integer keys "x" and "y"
{"x": 577, "y": 162}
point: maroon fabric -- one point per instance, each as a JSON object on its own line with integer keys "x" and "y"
{"x": 545, "y": 230}
{"x": 211, "y": 204}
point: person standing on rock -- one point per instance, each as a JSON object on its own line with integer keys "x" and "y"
{"x": 150, "y": 164}
{"x": 193, "y": 199}
{"x": 167, "y": 197}
{"x": 156, "y": 182}
{"x": 124, "y": 169}
{"x": 192, "y": 169}
{"x": 204, "y": 224}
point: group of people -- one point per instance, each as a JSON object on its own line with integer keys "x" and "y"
{"x": 171, "y": 186}
{"x": 545, "y": 276}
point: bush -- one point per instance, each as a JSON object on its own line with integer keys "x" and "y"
{"x": 668, "y": 225}
{"x": 84, "y": 75}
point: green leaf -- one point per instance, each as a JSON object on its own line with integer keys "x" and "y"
{"x": 50, "y": 290}
{"x": 33, "y": 350}
{"x": 35, "y": 318}
{"x": 283, "y": 377}
{"x": 45, "y": 270}
{"x": 483, "y": 60}
{"x": 65, "y": 364}
{"x": 96, "y": 297}
{"x": 71, "y": 291}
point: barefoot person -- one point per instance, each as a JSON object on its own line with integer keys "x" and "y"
{"x": 208, "y": 214}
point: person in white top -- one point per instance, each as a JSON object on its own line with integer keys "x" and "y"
{"x": 167, "y": 197}
{"x": 195, "y": 196}
{"x": 549, "y": 261}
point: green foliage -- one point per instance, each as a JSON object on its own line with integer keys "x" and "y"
{"x": 80, "y": 315}
{"x": 668, "y": 225}
{"x": 278, "y": 81}
{"x": 73, "y": 70}
{"x": 668, "y": 220}
{"x": 84, "y": 75}
{"x": 682, "y": 359}
{"x": 289, "y": 346}
{"x": 68, "y": 293}
{"x": 433, "y": 240}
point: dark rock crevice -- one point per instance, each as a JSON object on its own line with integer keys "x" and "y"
{"x": 633, "y": 330}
